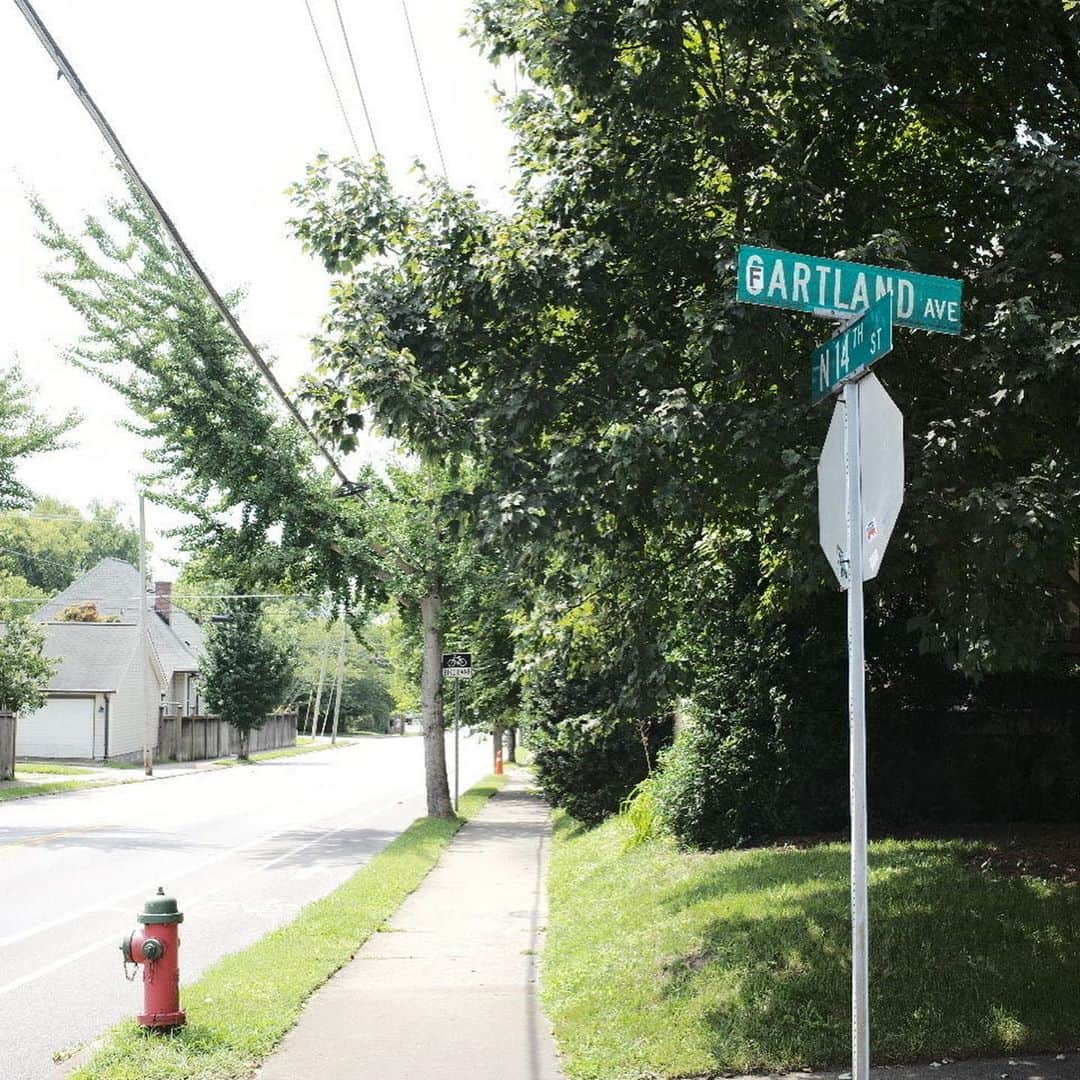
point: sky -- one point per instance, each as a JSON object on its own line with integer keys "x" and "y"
{"x": 220, "y": 105}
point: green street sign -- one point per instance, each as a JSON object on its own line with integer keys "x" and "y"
{"x": 834, "y": 289}
{"x": 853, "y": 350}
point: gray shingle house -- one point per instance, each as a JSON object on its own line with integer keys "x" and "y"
{"x": 105, "y": 690}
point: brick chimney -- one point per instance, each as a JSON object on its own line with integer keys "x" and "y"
{"x": 163, "y": 599}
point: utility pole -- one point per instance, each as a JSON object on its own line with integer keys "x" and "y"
{"x": 316, "y": 720}
{"x": 457, "y": 741}
{"x": 148, "y": 744}
{"x": 340, "y": 681}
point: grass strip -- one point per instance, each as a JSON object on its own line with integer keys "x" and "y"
{"x": 240, "y": 1009}
{"x": 48, "y": 767}
{"x": 664, "y": 963}
{"x": 287, "y": 751}
{"x": 19, "y": 789}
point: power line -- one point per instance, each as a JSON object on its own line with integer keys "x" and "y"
{"x": 38, "y": 558}
{"x": 356, "y": 76}
{"x": 73, "y": 80}
{"x": 330, "y": 74}
{"x": 423, "y": 86}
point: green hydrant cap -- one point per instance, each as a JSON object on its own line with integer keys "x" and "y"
{"x": 160, "y": 909}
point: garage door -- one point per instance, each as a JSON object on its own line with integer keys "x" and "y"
{"x": 64, "y": 728}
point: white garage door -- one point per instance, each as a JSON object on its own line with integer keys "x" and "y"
{"x": 64, "y": 728}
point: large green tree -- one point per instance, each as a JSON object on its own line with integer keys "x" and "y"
{"x": 629, "y": 418}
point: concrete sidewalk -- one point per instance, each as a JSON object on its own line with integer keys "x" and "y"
{"x": 450, "y": 991}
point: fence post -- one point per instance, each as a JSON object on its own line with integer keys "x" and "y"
{"x": 7, "y": 746}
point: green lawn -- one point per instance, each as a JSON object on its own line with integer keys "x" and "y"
{"x": 239, "y": 1010}
{"x": 661, "y": 963}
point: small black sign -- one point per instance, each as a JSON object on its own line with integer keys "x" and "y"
{"x": 457, "y": 665}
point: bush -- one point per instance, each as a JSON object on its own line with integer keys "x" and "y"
{"x": 715, "y": 787}
{"x": 589, "y": 767}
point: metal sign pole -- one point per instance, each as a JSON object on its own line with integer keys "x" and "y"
{"x": 457, "y": 741}
{"x": 860, "y": 976}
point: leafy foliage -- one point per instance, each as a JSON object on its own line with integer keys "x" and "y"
{"x": 53, "y": 543}
{"x": 23, "y": 670}
{"x": 17, "y": 596}
{"x": 627, "y": 421}
{"x": 85, "y": 612}
{"x": 23, "y": 433}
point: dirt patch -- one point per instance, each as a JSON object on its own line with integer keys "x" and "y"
{"x": 1043, "y": 852}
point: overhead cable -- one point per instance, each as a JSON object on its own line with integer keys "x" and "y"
{"x": 333, "y": 81}
{"x": 423, "y": 87}
{"x": 73, "y": 80}
{"x": 356, "y": 76}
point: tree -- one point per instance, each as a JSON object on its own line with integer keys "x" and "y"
{"x": 427, "y": 563}
{"x": 53, "y": 543}
{"x": 220, "y": 451}
{"x": 220, "y": 447}
{"x": 246, "y": 672}
{"x": 23, "y": 670}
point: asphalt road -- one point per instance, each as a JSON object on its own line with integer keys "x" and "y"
{"x": 241, "y": 849}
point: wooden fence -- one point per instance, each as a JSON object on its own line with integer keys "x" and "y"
{"x": 200, "y": 738}
{"x": 7, "y": 746}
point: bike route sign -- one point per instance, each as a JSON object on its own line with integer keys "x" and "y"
{"x": 834, "y": 289}
{"x": 457, "y": 665}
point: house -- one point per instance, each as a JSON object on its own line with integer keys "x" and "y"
{"x": 106, "y": 692}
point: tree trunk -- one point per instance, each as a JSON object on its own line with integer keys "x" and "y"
{"x": 511, "y": 745}
{"x": 431, "y": 703}
{"x": 497, "y": 749}
{"x": 242, "y": 753}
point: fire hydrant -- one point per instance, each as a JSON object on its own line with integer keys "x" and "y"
{"x": 156, "y": 946}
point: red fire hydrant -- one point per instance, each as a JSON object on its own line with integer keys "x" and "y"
{"x": 156, "y": 945}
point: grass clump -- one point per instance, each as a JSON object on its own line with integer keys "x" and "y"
{"x": 668, "y": 963}
{"x": 239, "y": 1010}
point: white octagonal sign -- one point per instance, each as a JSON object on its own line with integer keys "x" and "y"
{"x": 882, "y": 481}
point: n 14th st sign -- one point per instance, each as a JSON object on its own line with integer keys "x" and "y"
{"x": 853, "y": 350}
{"x": 835, "y": 289}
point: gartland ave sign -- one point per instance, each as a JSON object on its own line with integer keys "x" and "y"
{"x": 836, "y": 289}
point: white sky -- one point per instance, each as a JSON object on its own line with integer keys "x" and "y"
{"x": 221, "y": 104}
